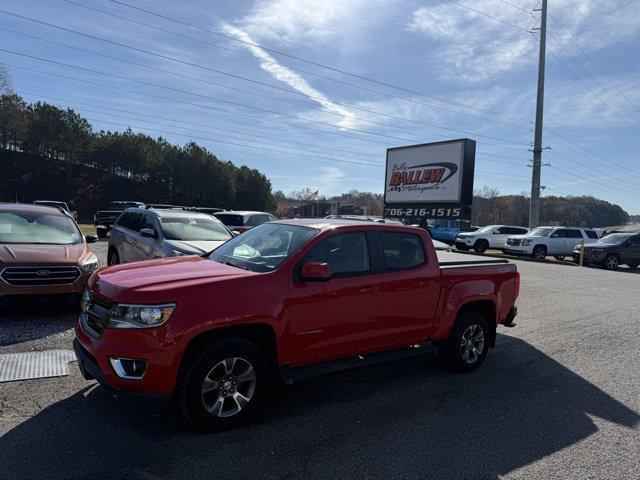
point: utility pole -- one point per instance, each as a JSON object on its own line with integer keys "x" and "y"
{"x": 534, "y": 207}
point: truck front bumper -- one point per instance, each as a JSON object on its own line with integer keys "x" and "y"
{"x": 154, "y": 404}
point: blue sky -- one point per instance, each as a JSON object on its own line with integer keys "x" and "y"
{"x": 462, "y": 75}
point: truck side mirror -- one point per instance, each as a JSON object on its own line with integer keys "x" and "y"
{"x": 316, "y": 272}
{"x": 147, "y": 233}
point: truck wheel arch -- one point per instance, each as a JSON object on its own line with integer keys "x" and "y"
{"x": 260, "y": 334}
{"x": 485, "y": 307}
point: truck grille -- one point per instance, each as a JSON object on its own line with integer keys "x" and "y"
{"x": 97, "y": 315}
{"x": 514, "y": 241}
{"x": 40, "y": 275}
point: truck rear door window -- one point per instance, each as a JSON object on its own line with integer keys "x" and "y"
{"x": 401, "y": 250}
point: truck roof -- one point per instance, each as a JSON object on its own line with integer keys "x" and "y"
{"x": 329, "y": 223}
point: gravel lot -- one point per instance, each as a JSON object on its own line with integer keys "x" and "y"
{"x": 559, "y": 397}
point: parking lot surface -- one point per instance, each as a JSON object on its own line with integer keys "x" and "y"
{"x": 559, "y": 397}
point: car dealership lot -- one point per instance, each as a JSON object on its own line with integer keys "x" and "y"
{"x": 558, "y": 398}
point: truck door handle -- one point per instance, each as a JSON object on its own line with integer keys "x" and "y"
{"x": 369, "y": 289}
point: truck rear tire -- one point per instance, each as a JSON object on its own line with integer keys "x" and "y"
{"x": 220, "y": 386}
{"x": 467, "y": 345}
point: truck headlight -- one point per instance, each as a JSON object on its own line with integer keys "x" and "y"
{"x": 139, "y": 316}
{"x": 526, "y": 243}
{"x": 89, "y": 263}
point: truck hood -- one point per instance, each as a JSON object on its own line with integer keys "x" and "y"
{"x": 196, "y": 247}
{"x": 141, "y": 280}
{"x": 45, "y": 254}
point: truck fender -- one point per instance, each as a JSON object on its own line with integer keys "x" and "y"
{"x": 455, "y": 297}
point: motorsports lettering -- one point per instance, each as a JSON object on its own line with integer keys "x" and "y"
{"x": 419, "y": 178}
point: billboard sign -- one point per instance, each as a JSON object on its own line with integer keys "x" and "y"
{"x": 430, "y": 180}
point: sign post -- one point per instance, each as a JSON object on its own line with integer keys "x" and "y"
{"x": 431, "y": 180}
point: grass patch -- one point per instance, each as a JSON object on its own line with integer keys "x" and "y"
{"x": 87, "y": 229}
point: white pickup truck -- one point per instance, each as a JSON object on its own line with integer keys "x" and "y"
{"x": 556, "y": 241}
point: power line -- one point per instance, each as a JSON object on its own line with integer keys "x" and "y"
{"x": 585, "y": 85}
{"x": 602, "y": 41}
{"x": 585, "y": 55}
{"x": 344, "y": 72}
{"x": 209, "y": 131}
{"x": 517, "y": 7}
{"x": 480, "y": 13}
{"x": 230, "y": 102}
{"x": 342, "y": 82}
{"x": 248, "y": 92}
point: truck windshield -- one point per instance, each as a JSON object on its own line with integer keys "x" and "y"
{"x": 263, "y": 248}
{"x": 194, "y": 228}
{"x": 36, "y": 228}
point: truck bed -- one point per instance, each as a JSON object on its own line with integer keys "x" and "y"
{"x": 453, "y": 260}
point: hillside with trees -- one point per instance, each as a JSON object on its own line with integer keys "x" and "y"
{"x": 50, "y": 153}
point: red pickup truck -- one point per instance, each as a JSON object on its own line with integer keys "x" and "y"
{"x": 282, "y": 299}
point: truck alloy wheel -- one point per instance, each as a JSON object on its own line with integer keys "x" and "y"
{"x": 468, "y": 343}
{"x": 472, "y": 344}
{"x": 222, "y": 383}
{"x": 228, "y": 387}
{"x": 611, "y": 262}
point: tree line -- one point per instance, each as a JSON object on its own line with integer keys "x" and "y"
{"x": 489, "y": 207}
{"x": 54, "y": 154}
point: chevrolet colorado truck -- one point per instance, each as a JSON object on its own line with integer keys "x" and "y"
{"x": 286, "y": 299}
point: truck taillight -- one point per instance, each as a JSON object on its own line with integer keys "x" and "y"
{"x": 517, "y": 290}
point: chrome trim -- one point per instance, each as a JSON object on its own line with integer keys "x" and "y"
{"x": 116, "y": 364}
{"x": 42, "y": 267}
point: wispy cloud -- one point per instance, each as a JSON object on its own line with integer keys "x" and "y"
{"x": 284, "y": 74}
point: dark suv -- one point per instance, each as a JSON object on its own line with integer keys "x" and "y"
{"x": 612, "y": 250}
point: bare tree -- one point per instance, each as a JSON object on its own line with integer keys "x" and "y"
{"x": 5, "y": 80}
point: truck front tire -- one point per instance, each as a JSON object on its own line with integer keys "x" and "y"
{"x": 467, "y": 345}
{"x": 220, "y": 386}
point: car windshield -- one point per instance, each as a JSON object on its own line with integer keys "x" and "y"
{"x": 194, "y": 228}
{"x": 615, "y": 238}
{"x": 540, "y": 232}
{"x": 488, "y": 228}
{"x": 263, "y": 248}
{"x": 29, "y": 227}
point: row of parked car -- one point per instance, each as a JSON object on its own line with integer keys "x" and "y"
{"x": 610, "y": 251}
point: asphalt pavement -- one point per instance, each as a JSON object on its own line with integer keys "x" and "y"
{"x": 559, "y": 397}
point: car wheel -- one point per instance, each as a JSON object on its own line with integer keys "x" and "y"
{"x": 113, "y": 258}
{"x": 467, "y": 344}
{"x": 559, "y": 257}
{"x": 610, "y": 262}
{"x": 222, "y": 384}
{"x": 480, "y": 246}
{"x": 539, "y": 252}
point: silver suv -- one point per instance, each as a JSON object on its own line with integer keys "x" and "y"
{"x": 145, "y": 234}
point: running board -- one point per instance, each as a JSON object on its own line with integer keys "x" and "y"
{"x": 291, "y": 375}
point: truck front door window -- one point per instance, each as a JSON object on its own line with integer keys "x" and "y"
{"x": 347, "y": 254}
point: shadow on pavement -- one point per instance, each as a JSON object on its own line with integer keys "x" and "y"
{"x": 407, "y": 419}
